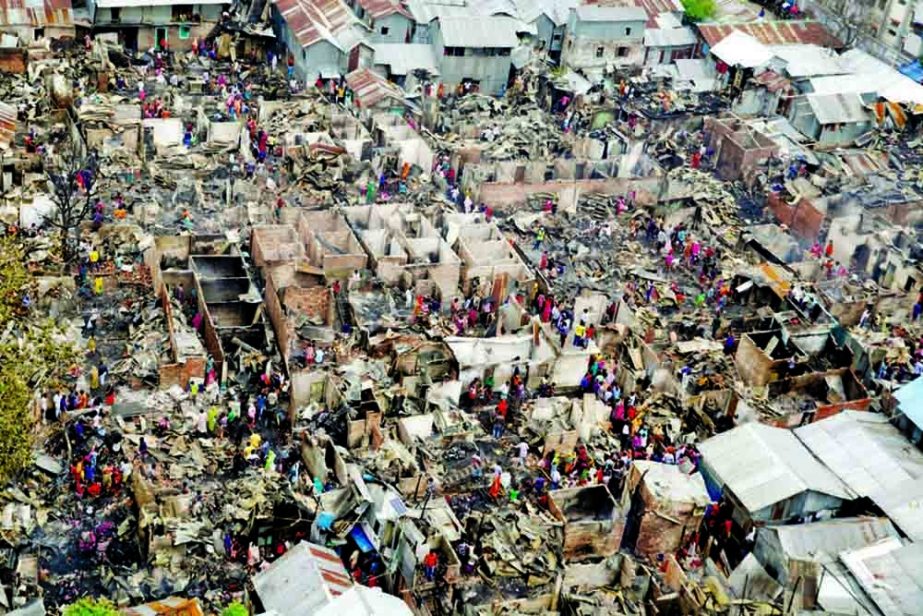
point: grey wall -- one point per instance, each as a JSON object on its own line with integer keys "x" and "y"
{"x": 491, "y": 71}
{"x": 398, "y": 27}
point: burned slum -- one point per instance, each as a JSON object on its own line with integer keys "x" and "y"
{"x": 405, "y": 307}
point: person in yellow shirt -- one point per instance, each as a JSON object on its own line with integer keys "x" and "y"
{"x": 579, "y": 333}
{"x": 94, "y": 259}
{"x": 98, "y": 285}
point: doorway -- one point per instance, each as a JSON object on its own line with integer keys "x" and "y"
{"x": 160, "y": 38}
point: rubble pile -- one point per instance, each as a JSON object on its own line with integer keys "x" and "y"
{"x": 574, "y": 337}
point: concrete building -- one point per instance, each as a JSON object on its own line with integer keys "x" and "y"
{"x": 603, "y": 37}
{"x": 324, "y": 38}
{"x": 406, "y": 247}
{"x": 549, "y": 17}
{"x": 143, "y": 25}
{"x": 476, "y": 50}
{"x": 31, "y": 21}
{"x": 889, "y": 29}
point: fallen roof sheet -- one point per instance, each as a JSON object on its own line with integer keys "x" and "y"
{"x": 864, "y": 450}
{"x": 823, "y": 541}
{"x": 773, "y": 32}
{"x": 404, "y": 58}
{"x": 478, "y": 32}
{"x": 363, "y": 601}
{"x": 370, "y": 88}
{"x": 302, "y": 580}
{"x": 902, "y": 502}
{"x": 699, "y": 73}
{"x": 838, "y": 108}
{"x": 36, "y": 13}
{"x": 763, "y": 465}
{"x": 739, "y": 49}
{"x": 668, "y": 483}
{"x": 891, "y": 574}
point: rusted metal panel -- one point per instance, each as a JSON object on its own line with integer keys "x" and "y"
{"x": 7, "y": 125}
{"x": 36, "y": 13}
{"x": 774, "y": 33}
{"x": 376, "y": 9}
{"x": 314, "y": 20}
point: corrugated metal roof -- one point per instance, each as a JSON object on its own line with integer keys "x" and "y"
{"x": 823, "y": 541}
{"x": 36, "y": 13}
{"x": 7, "y": 125}
{"x": 870, "y": 75}
{"x": 555, "y": 10}
{"x": 363, "y": 601}
{"x": 741, "y": 49}
{"x": 669, "y": 37}
{"x": 313, "y": 21}
{"x": 404, "y": 58}
{"x": 763, "y": 465}
{"x": 838, "y": 108}
{"x": 903, "y": 503}
{"x": 494, "y": 7}
{"x": 666, "y": 482}
{"x": 773, "y": 32}
{"x": 808, "y": 60}
{"x": 478, "y": 32}
{"x": 610, "y": 13}
{"x": 382, "y": 8}
{"x": 302, "y": 580}
{"x": 653, "y": 8}
{"x": 891, "y": 574}
{"x": 864, "y": 450}
{"x": 371, "y": 88}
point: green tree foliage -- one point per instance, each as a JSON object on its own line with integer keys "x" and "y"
{"x": 235, "y": 609}
{"x": 29, "y": 349}
{"x": 700, "y": 10}
{"x": 91, "y": 607}
{"x": 15, "y": 423}
{"x": 14, "y": 279}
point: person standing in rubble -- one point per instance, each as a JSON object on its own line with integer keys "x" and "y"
{"x": 539, "y": 238}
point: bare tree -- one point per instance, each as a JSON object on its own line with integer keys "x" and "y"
{"x": 72, "y": 180}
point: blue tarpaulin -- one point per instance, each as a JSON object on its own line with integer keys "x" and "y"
{"x": 361, "y": 539}
{"x": 914, "y": 70}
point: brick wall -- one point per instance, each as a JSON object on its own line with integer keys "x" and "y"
{"x": 13, "y": 61}
{"x": 313, "y": 301}
{"x": 500, "y": 195}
